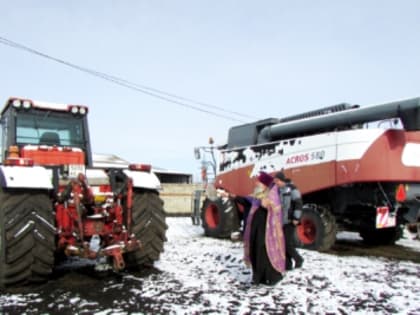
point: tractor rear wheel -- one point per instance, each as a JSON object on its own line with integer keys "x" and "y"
{"x": 317, "y": 229}
{"x": 149, "y": 226}
{"x": 219, "y": 217}
{"x": 27, "y": 237}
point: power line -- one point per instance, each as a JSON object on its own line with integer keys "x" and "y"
{"x": 110, "y": 78}
{"x": 169, "y": 97}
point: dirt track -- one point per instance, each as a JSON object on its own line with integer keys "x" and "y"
{"x": 357, "y": 248}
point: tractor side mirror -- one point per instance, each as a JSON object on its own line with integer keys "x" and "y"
{"x": 197, "y": 153}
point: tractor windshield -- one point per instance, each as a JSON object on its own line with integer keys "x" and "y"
{"x": 49, "y": 128}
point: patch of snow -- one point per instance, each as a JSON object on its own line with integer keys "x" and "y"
{"x": 206, "y": 275}
{"x": 46, "y": 223}
{"x": 24, "y": 228}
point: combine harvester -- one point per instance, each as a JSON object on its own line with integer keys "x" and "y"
{"x": 358, "y": 169}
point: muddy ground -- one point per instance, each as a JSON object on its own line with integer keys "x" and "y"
{"x": 352, "y": 247}
{"x": 192, "y": 288}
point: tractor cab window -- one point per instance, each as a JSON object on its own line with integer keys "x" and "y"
{"x": 49, "y": 128}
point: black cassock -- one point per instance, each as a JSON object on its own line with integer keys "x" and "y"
{"x": 262, "y": 270}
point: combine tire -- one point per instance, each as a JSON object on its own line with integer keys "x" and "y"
{"x": 149, "y": 226}
{"x": 317, "y": 229}
{"x": 219, "y": 217}
{"x": 27, "y": 237}
{"x": 387, "y": 236}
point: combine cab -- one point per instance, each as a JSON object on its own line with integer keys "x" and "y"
{"x": 53, "y": 203}
{"x": 358, "y": 169}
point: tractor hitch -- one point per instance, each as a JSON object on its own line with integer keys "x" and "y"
{"x": 115, "y": 251}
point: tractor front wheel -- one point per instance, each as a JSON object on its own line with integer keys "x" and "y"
{"x": 149, "y": 226}
{"x": 27, "y": 237}
{"x": 317, "y": 229}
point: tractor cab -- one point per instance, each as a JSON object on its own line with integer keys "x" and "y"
{"x": 55, "y": 204}
{"x": 52, "y": 135}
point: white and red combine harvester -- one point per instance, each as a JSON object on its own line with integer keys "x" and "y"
{"x": 53, "y": 203}
{"x": 358, "y": 169}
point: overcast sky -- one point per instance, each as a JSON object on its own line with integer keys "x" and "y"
{"x": 259, "y": 58}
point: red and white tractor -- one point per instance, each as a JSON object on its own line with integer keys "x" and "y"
{"x": 53, "y": 203}
{"x": 358, "y": 169}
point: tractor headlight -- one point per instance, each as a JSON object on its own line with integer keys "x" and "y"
{"x": 26, "y": 104}
{"x": 76, "y": 109}
{"x": 17, "y": 103}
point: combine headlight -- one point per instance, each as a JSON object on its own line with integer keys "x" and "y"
{"x": 82, "y": 110}
{"x": 74, "y": 110}
{"x": 17, "y": 103}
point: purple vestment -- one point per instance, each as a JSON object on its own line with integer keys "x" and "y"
{"x": 274, "y": 239}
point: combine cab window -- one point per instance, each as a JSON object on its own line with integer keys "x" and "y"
{"x": 52, "y": 130}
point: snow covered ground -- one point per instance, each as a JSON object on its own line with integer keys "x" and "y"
{"x": 199, "y": 275}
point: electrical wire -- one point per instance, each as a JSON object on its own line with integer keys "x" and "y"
{"x": 165, "y": 96}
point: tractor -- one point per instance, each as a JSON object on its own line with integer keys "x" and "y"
{"x": 358, "y": 169}
{"x": 54, "y": 203}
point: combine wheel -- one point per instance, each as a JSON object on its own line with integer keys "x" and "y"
{"x": 219, "y": 217}
{"x": 149, "y": 226}
{"x": 387, "y": 236}
{"x": 27, "y": 237}
{"x": 317, "y": 229}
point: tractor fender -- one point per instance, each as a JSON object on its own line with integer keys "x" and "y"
{"x": 25, "y": 177}
{"x": 144, "y": 179}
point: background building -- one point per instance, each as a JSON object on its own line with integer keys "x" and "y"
{"x": 177, "y": 187}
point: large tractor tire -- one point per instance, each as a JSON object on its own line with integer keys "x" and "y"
{"x": 219, "y": 217}
{"x": 27, "y": 237}
{"x": 317, "y": 229}
{"x": 386, "y": 236}
{"x": 149, "y": 226}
